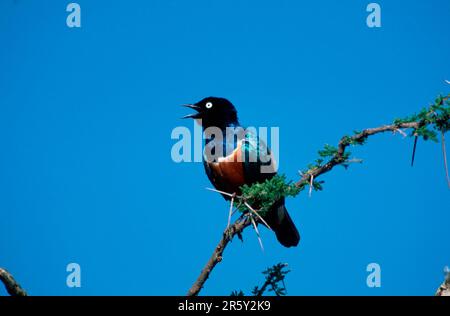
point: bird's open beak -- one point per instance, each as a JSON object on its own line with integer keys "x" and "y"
{"x": 193, "y": 115}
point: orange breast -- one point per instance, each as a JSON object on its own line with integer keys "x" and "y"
{"x": 229, "y": 171}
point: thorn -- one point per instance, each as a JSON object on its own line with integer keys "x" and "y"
{"x": 444, "y": 153}
{"x": 354, "y": 160}
{"x": 398, "y": 130}
{"x": 259, "y": 216}
{"x": 414, "y": 150}
{"x": 257, "y": 233}
{"x": 240, "y": 237}
{"x": 221, "y": 192}
{"x": 311, "y": 185}
{"x": 230, "y": 213}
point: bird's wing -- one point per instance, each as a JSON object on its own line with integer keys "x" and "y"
{"x": 251, "y": 161}
{"x": 259, "y": 163}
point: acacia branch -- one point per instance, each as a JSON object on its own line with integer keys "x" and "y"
{"x": 419, "y": 123}
{"x": 339, "y": 157}
{"x": 12, "y": 287}
{"x": 263, "y": 288}
{"x": 444, "y": 289}
{"x": 239, "y": 226}
{"x": 274, "y": 276}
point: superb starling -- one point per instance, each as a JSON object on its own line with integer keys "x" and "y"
{"x": 243, "y": 158}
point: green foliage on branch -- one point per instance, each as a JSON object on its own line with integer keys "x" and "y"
{"x": 434, "y": 119}
{"x": 261, "y": 196}
{"x": 328, "y": 151}
{"x": 274, "y": 282}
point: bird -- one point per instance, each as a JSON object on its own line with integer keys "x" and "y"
{"x": 231, "y": 162}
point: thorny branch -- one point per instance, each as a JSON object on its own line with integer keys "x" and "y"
{"x": 444, "y": 289}
{"x": 12, "y": 287}
{"x": 340, "y": 157}
{"x": 307, "y": 178}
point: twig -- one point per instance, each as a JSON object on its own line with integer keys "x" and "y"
{"x": 12, "y": 287}
{"x": 263, "y": 288}
{"x": 339, "y": 158}
{"x": 273, "y": 276}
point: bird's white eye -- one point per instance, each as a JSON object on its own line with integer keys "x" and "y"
{"x": 209, "y": 105}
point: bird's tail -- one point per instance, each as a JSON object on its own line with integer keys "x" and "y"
{"x": 282, "y": 224}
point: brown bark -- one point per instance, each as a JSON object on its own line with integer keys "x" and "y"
{"x": 12, "y": 287}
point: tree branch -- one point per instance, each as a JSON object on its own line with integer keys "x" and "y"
{"x": 274, "y": 276}
{"x": 239, "y": 226}
{"x": 418, "y": 123}
{"x": 339, "y": 157}
{"x": 12, "y": 287}
{"x": 444, "y": 289}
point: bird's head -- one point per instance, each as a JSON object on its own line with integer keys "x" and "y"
{"x": 212, "y": 111}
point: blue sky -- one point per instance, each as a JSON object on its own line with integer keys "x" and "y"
{"x": 86, "y": 116}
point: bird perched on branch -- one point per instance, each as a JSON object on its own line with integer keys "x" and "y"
{"x": 235, "y": 156}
